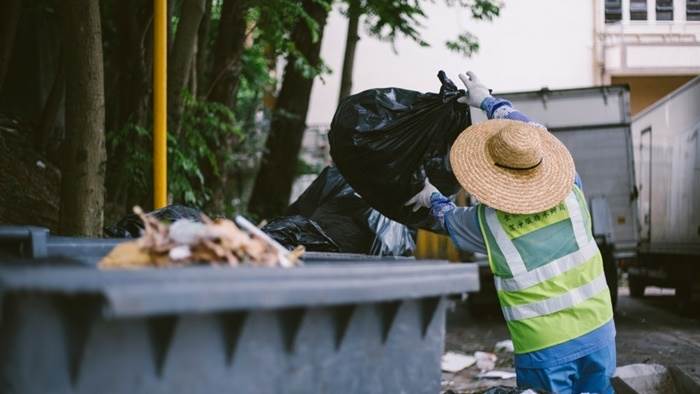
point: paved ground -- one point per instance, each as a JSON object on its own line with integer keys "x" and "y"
{"x": 649, "y": 331}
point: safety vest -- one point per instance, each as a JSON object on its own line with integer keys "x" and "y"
{"x": 548, "y": 273}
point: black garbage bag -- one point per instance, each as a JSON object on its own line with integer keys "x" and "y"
{"x": 354, "y": 226}
{"x": 386, "y": 141}
{"x": 130, "y": 226}
{"x": 295, "y": 230}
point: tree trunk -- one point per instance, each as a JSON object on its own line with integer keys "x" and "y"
{"x": 181, "y": 59}
{"x": 82, "y": 181}
{"x": 350, "y": 45}
{"x": 203, "y": 51}
{"x": 225, "y": 78}
{"x": 52, "y": 107}
{"x": 228, "y": 53}
{"x": 9, "y": 15}
{"x": 274, "y": 181}
{"x": 192, "y": 79}
{"x": 169, "y": 22}
{"x": 129, "y": 103}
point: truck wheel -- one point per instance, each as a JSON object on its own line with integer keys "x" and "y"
{"x": 637, "y": 286}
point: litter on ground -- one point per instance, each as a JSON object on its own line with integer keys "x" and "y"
{"x": 496, "y": 375}
{"x": 455, "y": 362}
{"x": 485, "y": 361}
{"x": 504, "y": 346}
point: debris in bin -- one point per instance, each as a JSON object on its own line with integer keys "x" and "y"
{"x": 496, "y": 375}
{"x": 131, "y": 225}
{"x": 187, "y": 243}
{"x": 455, "y": 362}
{"x": 504, "y": 346}
{"x": 485, "y": 361}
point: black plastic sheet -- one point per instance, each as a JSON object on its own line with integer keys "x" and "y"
{"x": 348, "y": 220}
{"x": 386, "y": 141}
{"x": 291, "y": 231}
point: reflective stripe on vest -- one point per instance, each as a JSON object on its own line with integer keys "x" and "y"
{"x": 576, "y": 216}
{"x": 510, "y": 253}
{"x": 555, "y": 304}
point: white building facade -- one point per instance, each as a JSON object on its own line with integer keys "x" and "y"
{"x": 652, "y": 45}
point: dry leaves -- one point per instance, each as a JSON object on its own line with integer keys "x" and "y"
{"x": 187, "y": 243}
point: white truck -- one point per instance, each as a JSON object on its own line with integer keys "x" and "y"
{"x": 594, "y": 123}
{"x": 666, "y": 139}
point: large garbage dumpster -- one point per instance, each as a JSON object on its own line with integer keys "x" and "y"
{"x": 332, "y": 326}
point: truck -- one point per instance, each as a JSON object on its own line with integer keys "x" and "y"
{"x": 667, "y": 167}
{"x": 594, "y": 124}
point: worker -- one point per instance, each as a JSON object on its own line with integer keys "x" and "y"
{"x": 532, "y": 221}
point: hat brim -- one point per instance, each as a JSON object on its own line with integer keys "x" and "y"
{"x": 513, "y": 191}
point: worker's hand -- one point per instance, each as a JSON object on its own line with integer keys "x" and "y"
{"x": 422, "y": 199}
{"x": 476, "y": 91}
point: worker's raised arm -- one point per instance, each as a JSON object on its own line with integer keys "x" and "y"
{"x": 478, "y": 96}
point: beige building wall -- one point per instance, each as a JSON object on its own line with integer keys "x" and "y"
{"x": 645, "y": 91}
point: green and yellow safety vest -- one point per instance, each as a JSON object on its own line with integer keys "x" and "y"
{"x": 548, "y": 273}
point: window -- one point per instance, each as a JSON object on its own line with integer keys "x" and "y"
{"x": 692, "y": 10}
{"x": 638, "y": 10}
{"x": 664, "y": 10}
{"x": 613, "y": 11}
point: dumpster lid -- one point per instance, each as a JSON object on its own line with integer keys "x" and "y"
{"x": 206, "y": 289}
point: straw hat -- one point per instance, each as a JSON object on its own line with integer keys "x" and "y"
{"x": 512, "y": 166}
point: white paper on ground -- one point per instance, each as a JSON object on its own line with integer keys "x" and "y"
{"x": 485, "y": 361}
{"x": 504, "y": 346}
{"x": 496, "y": 375}
{"x": 455, "y": 362}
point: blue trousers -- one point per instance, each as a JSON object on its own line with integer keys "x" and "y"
{"x": 588, "y": 374}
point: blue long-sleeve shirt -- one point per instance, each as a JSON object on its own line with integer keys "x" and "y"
{"x": 462, "y": 225}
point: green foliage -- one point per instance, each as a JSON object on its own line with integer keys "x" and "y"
{"x": 205, "y": 126}
{"x": 466, "y": 43}
{"x": 305, "y": 168}
{"x": 275, "y": 21}
{"x": 386, "y": 20}
{"x": 480, "y": 9}
{"x": 389, "y": 19}
{"x": 135, "y": 142}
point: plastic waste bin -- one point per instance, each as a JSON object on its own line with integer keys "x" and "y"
{"x": 327, "y": 327}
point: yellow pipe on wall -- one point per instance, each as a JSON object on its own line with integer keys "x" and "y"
{"x": 160, "y": 118}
